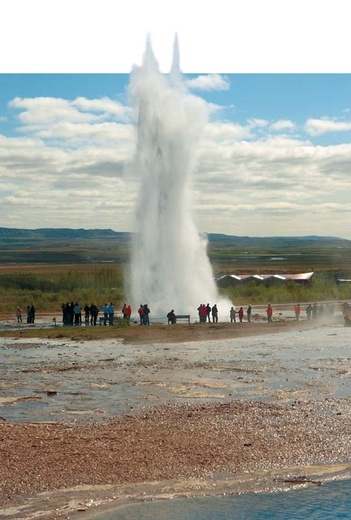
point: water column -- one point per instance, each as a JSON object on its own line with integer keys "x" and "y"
{"x": 170, "y": 268}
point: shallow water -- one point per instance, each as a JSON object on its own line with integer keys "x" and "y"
{"x": 332, "y": 501}
{"x": 101, "y": 379}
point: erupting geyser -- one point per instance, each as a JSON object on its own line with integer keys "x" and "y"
{"x": 170, "y": 268}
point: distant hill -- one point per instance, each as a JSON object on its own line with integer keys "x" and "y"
{"x": 63, "y": 246}
{"x": 312, "y": 239}
{"x": 227, "y": 253}
{"x": 53, "y": 233}
{"x": 69, "y": 233}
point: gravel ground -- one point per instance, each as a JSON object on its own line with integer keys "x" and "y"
{"x": 172, "y": 442}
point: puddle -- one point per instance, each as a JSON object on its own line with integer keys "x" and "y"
{"x": 61, "y": 380}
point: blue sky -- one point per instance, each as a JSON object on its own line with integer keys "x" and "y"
{"x": 265, "y": 96}
{"x": 274, "y": 160}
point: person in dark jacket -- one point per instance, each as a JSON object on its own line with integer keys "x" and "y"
{"x": 171, "y": 317}
{"x": 215, "y": 313}
{"x": 146, "y": 319}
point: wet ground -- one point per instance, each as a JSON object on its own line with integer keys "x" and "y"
{"x": 68, "y": 380}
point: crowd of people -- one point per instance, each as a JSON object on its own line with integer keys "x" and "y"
{"x": 314, "y": 311}
{"x": 206, "y": 312}
{"x": 233, "y": 312}
{"x": 30, "y": 314}
{"x": 144, "y": 314}
{"x": 210, "y": 314}
{"x": 74, "y": 314}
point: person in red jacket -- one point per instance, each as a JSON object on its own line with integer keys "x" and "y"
{"x": 241, "y": 314}
{"x": 297, "y": 311}
{"x": 269, "y": 313}
{"x": 141, "y": 313}
{"x": 128, "y": 312}
{"x": 202, "y": 313}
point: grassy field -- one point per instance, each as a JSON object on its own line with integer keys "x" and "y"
{"x": 47, "y": 286}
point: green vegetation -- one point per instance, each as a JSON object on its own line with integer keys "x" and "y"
{"x": 47, "y": 291}
{"x": 324, "y": 287}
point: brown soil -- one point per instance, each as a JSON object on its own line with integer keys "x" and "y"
{"x": 205, "y": 331}
{"x": 162, "y": 333}
{"x": 171, "y": 442}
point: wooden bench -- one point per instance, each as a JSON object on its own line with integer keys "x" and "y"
{"x": 182, "y": 317}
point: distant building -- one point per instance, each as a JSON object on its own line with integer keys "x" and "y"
{"x": 232, "y": 280}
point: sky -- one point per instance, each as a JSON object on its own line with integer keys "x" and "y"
{"x": 275, "y": 157}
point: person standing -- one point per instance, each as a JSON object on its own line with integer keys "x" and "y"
{"x": 215, "y": 313}
{"x": 241, "y": 314}
{"x": 309, "y": 311}
{"x": 32, "y": 314}
{"x": 232, "y": 314}
{"x": 63, "y": 309}
{"x": 248, "y": 313}
{"x": 77, "y": 314}
{"x": 141, "y": 314}
{"x": 105, "y": 311}
{"x": 208, "y": 312}
{"x": 297, "y": 311}
{"x": 19, "y": 314}
{"x": 202, "y": 313}
{"x": 111, "y": 313}
{"x": 314, "y": 311}
{"x": 128, "y": 312}
{"x": 94, "y": 311}
{"x": 28, "y": 313}
{"x": 146, "y": 318}
{"x": 269, "y": 312}
{"x": 86, "y": 314}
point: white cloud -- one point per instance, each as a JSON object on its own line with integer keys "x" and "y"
{"x": 258, "y": 123}
{"x": 104, "y": 106}
{"x": 282, "y": 124}
{"x": 80, "y": 134}
{"x": 79, "y": 123}
{"x": 215, "y": 109}
{"x": 48, "y": 110}
{"x": 78, "y": 150}
{"x": 45, "y": 110}
{"x": 225, "y": 131}
{"x": 209, "y": 82}
{"x": 317, "y": 127}
{"x": 275, "y": 171}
